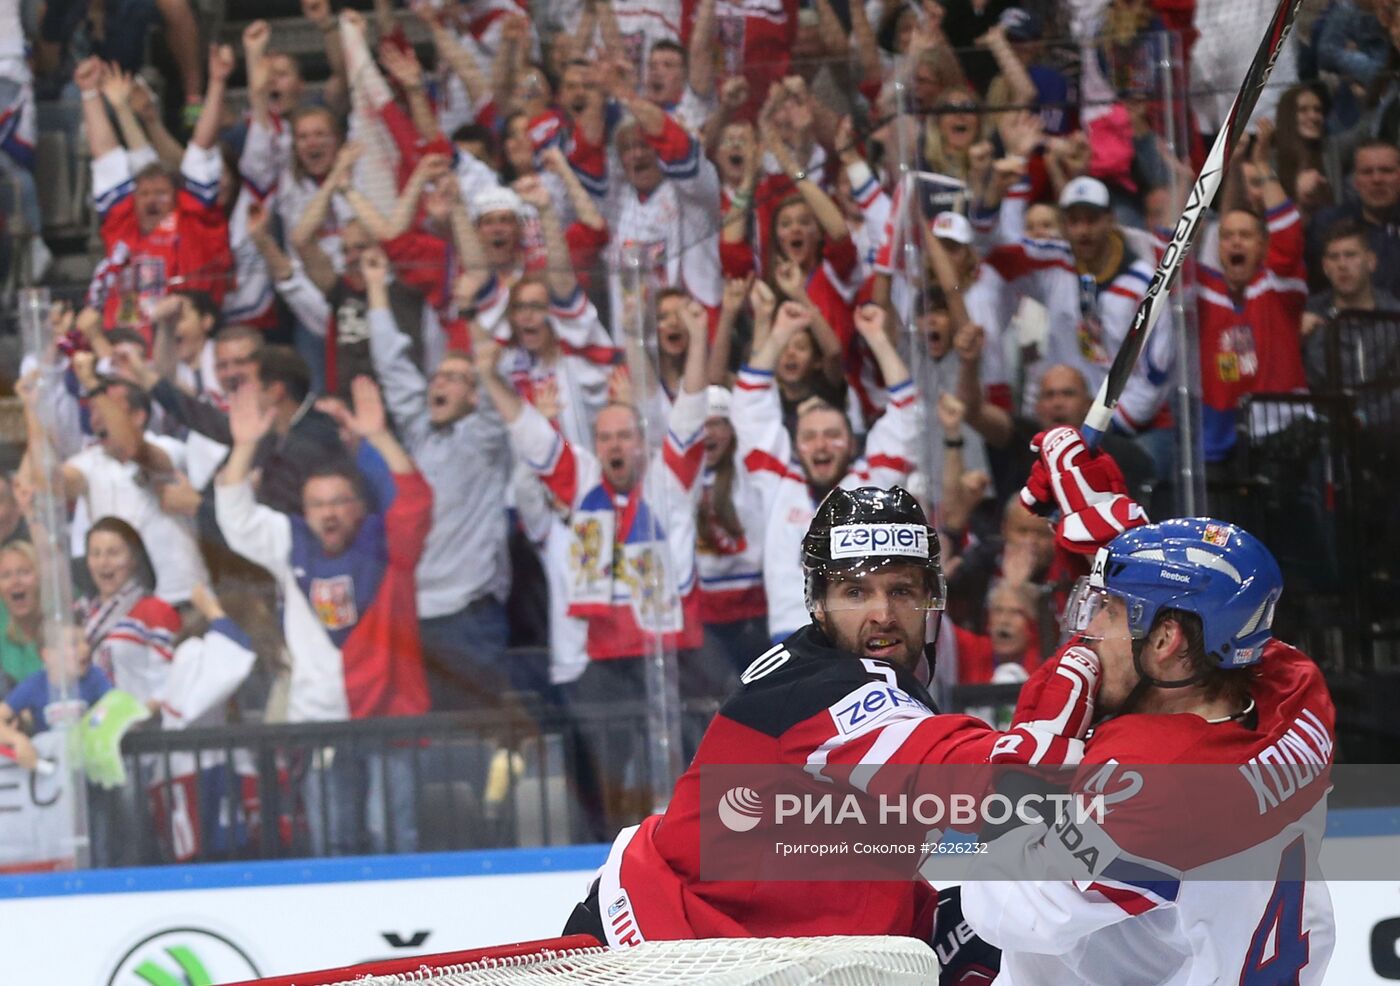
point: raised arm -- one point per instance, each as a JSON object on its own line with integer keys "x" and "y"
{"x": 402, "y": 64}
{"x": 279, "y": 265}
{"x": 451, "y": 52}
{"x": 511, "y": 59}
{"x": 828, "y": 213}
{"x": 1018, "y": 80}
{"x": 471, "y": 254}
{"x": 623, "y": 88}
{"x": 257, "y": 532}
{"x": 74, "y": 482}
{"x": 790, "y": 319}
{"x": 143, "y": 104}
{"x": 947, "y": 276}
{"x": 102, "y": 139}
{"x": 221, "y": 65}
{"x": 793, "y": 283}
{"x": 562, "y": 279}
{"x": 867, "y": 47}
{"x": 697, "y": 327}
{"x": 1263, "y": 177}
{"x": 248, "y": 423}
{"x": 117, "y": 85}
{"x": 337, "y": 90}
{"x": 486, "y": 356}
{"x": 870, "y": 322}
{"x": 125, "y": 440}
{"x": 736, "y": 291}
{"x": 255, "y": 40}
{"x": 314, "y": 215}
{"x": 368, "y": 420}
{"x": 430, "y": 167}
{"x": 991, "y": 422}
{"x": 405, "y": 390}
{"x": 701, "y": 54}
{"x": 609, "y": 28}
{"x": 585, "y": 208}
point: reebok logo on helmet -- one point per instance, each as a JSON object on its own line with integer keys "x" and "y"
{"x": 873, "y": 540}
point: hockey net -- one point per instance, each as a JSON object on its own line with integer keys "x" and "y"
{"x": 836, "y": 961}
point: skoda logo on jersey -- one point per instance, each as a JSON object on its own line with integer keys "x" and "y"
{"x": 741, "y": 809}
{"x": 183, "y": 956}
{"x": 865, "y": 540}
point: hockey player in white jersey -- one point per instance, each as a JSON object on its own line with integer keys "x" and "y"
{"x": 1179, "y": 614}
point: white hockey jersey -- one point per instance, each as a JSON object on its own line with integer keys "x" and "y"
{"x": 891, "y": 452}
{"x": 675, "y": 229}
{"x": 621, "y": 542}
{"x": 1233, "y": 902}
{"x": 579, "y": 371}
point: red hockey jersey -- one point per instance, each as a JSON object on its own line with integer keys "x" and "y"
{"x": 794, "y": 706}
{"x": 187, "y": 250}
{"x": 1163, "y": 908}
{"x": 1252, "y": 344}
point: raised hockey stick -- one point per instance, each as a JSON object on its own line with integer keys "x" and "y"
{"x": 1184, "y": 235}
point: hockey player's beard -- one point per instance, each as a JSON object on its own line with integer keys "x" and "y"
{"x": 906, "y": 656}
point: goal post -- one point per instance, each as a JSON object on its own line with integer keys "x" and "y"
{"x": 581, "y": 960}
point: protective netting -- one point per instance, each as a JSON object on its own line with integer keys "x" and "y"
{"x": 834, "y": 961}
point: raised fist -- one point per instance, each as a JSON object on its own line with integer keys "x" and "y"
{"x": 87, "y": 76}
{"x": 222, "y": 62}
{"x": 532, "y": 191}
{"x": 734, "y": 93}
{"x": 374, "y": 266}
{"x": 317, "y": 12}
{"x": 1087, "y": 488}
{"x": 969, "y": 341}
{"x": 951, "y": 412}
{"x": 870, "y": 322}
{"x": 255, "y": 38}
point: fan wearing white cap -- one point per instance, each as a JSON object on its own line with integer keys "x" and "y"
{"x": 729, "y": 546}
{"x": 499, "y": 215}
{"x": 1092, "y": 283}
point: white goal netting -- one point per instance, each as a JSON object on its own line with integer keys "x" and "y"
{"x": 838, "y": 961}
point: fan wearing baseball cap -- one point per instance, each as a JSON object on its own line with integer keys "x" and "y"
{"x": 1092, "y": 282}
{"x": 961, "y": 323}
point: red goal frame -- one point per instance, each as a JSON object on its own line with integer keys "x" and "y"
{"x": 412, "y": 963}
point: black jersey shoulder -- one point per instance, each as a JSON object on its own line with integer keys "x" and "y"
{"x": 804, "y": 675}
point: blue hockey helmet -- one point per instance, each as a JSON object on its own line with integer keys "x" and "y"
{"x": 1220, "y": 572}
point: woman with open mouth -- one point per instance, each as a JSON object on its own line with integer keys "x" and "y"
{"x": 951, "y": 132}
{"x": 21, "y": 615}
{"x": 129, "y": 631}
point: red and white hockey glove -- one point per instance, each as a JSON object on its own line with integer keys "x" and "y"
{"x": 1087, "y": 488}
{"x": 1057, "y": 715}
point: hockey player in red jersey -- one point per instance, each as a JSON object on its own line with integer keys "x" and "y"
{"x": 874, "y": 585}
{"x": 1179, "y": 614}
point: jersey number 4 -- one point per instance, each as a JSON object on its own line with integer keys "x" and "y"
{"x": 1278, "y": 950}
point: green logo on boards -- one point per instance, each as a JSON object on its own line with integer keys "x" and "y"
{"x": 183, "y": 957}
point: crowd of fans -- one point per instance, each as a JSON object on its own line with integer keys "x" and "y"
{"x": 584, "y": 314}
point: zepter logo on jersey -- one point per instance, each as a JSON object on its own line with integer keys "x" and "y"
{"x": 878, "y": 540}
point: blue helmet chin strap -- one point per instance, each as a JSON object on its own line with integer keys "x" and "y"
{"x": 1146, "y": 681}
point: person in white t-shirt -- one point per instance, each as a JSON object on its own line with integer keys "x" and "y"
{"x": 120, "y": 476}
